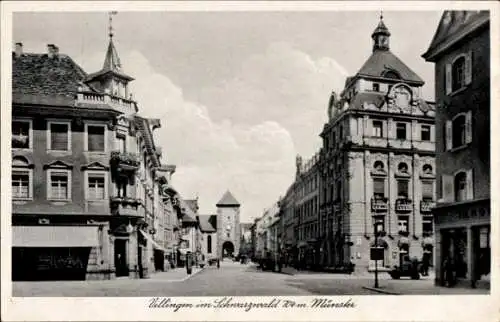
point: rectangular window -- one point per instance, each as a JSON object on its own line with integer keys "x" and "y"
{"x": 401, "y": 131}
{"x": 427, "y": 190}
{"x": 377, "y": 128}
{"x": 21, "y": 138}
{"x": 403, "y": 188}
{"x": 122, "y": 146}
{"x": 59, "y": 136}
{"x": 403, "y": 224}
{"x": 96, "y": 186}
{"x": 427, "y": 226}
{"x": 425, "y": 133}
{"x": 95, "y": 138}
{"x": 20, "y": 185}
{"x": 379, "y": 224}
{"x": 58, "y": 185}
{"x": 379, "y": 188}
{"x": 376, "y": 87}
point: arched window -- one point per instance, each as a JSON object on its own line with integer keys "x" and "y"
{"x": 458, "y": 127}
{"x": 403, "y": 167}
{"x": 427, "y": 169}
{"x": 378, "y": 165}
{"x": 460, "y": 185}
{"x": 209, "y": 244}
{"x": 458, "y": 74}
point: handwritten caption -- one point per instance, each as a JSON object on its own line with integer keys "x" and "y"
{"x": 232, "y": 303}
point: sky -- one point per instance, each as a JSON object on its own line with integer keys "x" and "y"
{"x": 239, "y": 94}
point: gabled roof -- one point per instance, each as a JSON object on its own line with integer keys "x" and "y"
{"x": 382, "y": 61}
{"x": 454, "y": 26}
{"x": 38, "y": 77}
{"x": 228, "y": 200}
{"x": 111, "y": 64}
{"x": 208, "y": 223}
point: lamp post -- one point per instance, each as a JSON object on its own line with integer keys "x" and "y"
{"x": 376, "y": 260}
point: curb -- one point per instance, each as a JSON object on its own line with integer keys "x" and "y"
{"x": 378, "y": 290}
{"x": 191, "y": 275}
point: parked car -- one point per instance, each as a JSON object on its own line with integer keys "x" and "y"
{"x": 409, "y": 267}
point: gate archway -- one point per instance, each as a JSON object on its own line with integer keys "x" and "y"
{"x": 227, "y": 249}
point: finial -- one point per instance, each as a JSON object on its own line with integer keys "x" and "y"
{"x": 381, "y": 15}
{"x": 111, "y": 14}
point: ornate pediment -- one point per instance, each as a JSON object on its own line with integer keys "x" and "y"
{"x": 95, "y": 166}
{"x": 58, "y": 165}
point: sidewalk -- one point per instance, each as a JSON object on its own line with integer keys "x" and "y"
{"x": 421, "y": 287}
{"x": 178, "y": 274}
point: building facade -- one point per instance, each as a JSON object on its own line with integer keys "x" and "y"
{"x": 460, "y": 50}
{"x": 377, "y": 163}
{"x": 288, "y": 226}
{"x": 86, "y": 202}
{"x": 306, "y": 221}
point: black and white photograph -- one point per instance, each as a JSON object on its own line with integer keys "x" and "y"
{"x": 239, "y": 153}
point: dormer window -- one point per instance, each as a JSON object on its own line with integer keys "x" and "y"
{"x": 391, "y": 74}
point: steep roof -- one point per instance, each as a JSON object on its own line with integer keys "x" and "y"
{"x": 188, "y": 215}
{"x": 111, "y": 64}
{"x": 143, "y": 125}
{"x": 208, "y": 223}
{"x": 453, "y": 26}
{"x": 42, "y": 79}
{"x": 228, "y": 200}
{"x": 382, "y": 61}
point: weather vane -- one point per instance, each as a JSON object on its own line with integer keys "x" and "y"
{"x": 111, "y": 14}
{"x": 381, "y": 15}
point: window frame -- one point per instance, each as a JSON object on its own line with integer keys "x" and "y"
{"x": 30, "y": 132}
{"x": 422, "y": 127}
{"x": 378, "y": 122}
{"x": 463, "y": 135}
{"x": 86, "y": 136}
{"x": 455, "y": 188}
{"x": 398, "y": 124}
{"x": 462, "y": 81}
{"x": 401, "y": 181}
{"x": 88, "y": 175}
{"x": 49, "y": 134}
{"x": 49, "y": 184}
{"x": 29, "y": 172}
{"x": 433, "y": 192}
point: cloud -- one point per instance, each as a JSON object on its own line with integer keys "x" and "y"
{"x": 283, "y": 85}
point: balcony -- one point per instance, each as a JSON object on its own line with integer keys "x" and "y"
{"x": 426, "y": 206}
{"x": 105, "y": 100}
{"x": 403, "y": 205}
{"x": 124, "y": 206}
{"x": 379, "y": 204}
{"x": 124, "y": 161}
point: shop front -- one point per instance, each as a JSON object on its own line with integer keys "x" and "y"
{"x": 463, "y": 249}
{"x": 53, "y": 252}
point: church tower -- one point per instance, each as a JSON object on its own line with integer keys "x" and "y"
{"x": 381, "y": 36}
{"x": 228, "y": 225}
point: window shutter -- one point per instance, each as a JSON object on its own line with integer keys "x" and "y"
{"x": 468, "y": 127}
{"x": 468, "y": 68}
{"x": 59, "y": 137}
{"x": 469, "y": 185}
{"x": 448, "y": 78}
{"x": 447, "y": 193}
{"x": 448, "y": 135}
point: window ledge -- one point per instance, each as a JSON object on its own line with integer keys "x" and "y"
{"x": 458, "y": 91}
{"x": 60, "y": 151}
{"x": 21, "y": 201}
{"x": 59, "y": 201}
{"x": 22, "y": 149}
{"x": 458, "y": 148}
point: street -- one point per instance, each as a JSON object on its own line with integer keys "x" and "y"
{"x": 233, "y": 279}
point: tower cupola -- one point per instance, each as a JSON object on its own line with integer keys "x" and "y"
{"x": 381, "y": 36}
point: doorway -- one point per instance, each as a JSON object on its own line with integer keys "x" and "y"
{"x": 121, "y": 262}
{"x": 227, "y": 249}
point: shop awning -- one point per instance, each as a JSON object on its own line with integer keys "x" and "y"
{"x": 55, "y": 236}
{"x": 152, "y": 241}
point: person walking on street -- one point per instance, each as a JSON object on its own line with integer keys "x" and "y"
{"x": 218, "y": 263}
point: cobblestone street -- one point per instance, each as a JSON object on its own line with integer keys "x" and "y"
{"x": 234, "y": 279}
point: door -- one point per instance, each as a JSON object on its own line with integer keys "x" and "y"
{"x": 121, "y": 264}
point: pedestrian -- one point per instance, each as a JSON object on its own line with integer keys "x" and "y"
{"x": 218, "y": 263}
{"x": 426, "y": 263}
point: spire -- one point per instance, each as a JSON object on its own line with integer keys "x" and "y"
{"x": 381, "y": 35}
{"x": 111, "y": 60}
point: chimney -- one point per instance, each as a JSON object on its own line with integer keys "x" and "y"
{"x": 19, "y": 49}
{"x": 52, "y": 50}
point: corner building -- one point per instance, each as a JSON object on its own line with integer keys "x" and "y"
{"x": 377, "y": 164}
{"x": 460, "y": 50}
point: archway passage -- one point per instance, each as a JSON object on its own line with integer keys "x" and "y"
{"x": 227, "y": 249}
